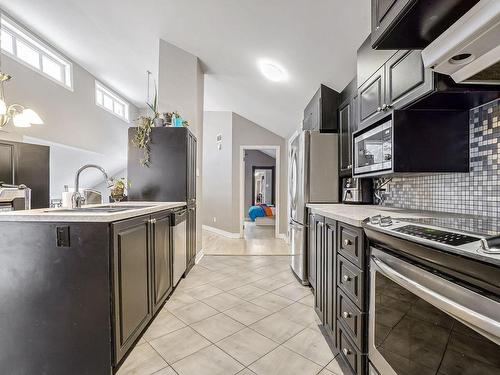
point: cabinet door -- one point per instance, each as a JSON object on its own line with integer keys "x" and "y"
{"x": 191, "y": 168}
{"x": 371, "y": 96}
{"x": 331, "y": 280}
{"x": 131, "y": 282}
{"x": 321, "y": 260}
{"x": 311, "y": 251}
{"x": 191, "y": 237}
{"x": 161, "y": 243}
{"x": 345, "y": 137}
{"x": 6, "y": 163}
{"x": 406, "y": 78}
{"x": 312, "y": 113}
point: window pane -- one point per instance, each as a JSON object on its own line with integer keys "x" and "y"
{"x": 108, "y": 103}
{"x": 52, "y": 68}
{"x": 119, "y": 109}
{"x": 28, "y": 54}
{"x": 7, "y": 42}
{"x": 98, "y": 97}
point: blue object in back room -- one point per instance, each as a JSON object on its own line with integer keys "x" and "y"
{"x": 256, "y": 211}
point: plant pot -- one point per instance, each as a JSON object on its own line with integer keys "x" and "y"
{"x": 159, "y": 122}
{"x": 117, "y": 194}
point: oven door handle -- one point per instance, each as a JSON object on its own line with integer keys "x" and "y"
{"x": 476, "y": 311}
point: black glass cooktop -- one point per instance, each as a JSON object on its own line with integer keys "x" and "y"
{"x": 477, "y": 225}
{"x": 441, "y": 236}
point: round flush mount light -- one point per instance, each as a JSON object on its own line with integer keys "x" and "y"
{"x": 272, "y": 71}
{"x": 462, "y": 58}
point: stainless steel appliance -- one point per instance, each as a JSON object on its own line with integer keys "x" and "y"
{"x": 179, "y": 244}
{"x": 14, "y": 197}
{"x": 373, "y": 150}
{"x": 357, "y": 190}
{"x": 313, "y": 178}
{"x": 434, "y": 297}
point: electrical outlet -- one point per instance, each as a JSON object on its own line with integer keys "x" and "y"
{"x": 215, "y": 219}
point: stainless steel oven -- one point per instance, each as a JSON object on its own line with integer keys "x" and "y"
{"x": 373, "y": 150}
{"x": 423, "y": 322}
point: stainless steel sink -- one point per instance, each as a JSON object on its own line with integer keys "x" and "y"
{"x": 100, "y": 209}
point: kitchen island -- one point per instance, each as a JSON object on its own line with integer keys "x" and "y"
{"x": 79, "y": 286}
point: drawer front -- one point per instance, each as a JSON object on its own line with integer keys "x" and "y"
{"x": 352, "y": 318}
{"x": 355, "y": 359}
{"x": 351, "y": 280}
{"x": 351, "y": 244}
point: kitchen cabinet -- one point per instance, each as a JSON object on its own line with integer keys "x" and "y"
{"x": 161, "y": 244}
{"x": 311, "y": 250}
{"x": 321, "y": 260}
{"x": 132, "y": 297}
{"x": 371, "y": 98}
{"x": 330, "y": 257}
{"x": 191, "y": 238}
{"x": 321, "y": 112}
{"x": 413, "y": 24}
{"x": 347, "y": 126}
{"x": 191, "y": 168}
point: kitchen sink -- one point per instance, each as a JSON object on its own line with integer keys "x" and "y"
{"x": 100, "y": 209}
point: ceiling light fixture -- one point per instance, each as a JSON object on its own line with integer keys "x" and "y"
{"x": 272, "y": 71}
{"x": 21, "y": 116}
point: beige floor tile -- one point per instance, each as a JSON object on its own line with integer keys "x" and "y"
{"x": 223, "y": 301}
{"x": 272, "y": 302}
{"x": 246, "y": 372}
{"x": 293, "y": 291}
{"x": 143, "y": 360}
{"x": 193, "y": 312}
{"x": 307, "y": 300}
{"x": 247, "y": 313}
{"x": 312, "y": 345}
{"x": 179, "y": 299}
{"x": 203, "y": 291}
{"x": 192, "y": 281}
{"x": 217, "y": 327}
{"x": 268, "y": 284}
{"x": 286, "y": 276}
{"x": 334, "y": 367}
{"x": 282, "y": 361}
{"x": 277, "y": 327}
{"x": 208, "y": 361}
{"x": 166, "y": 371}
{"x": 141, "y": 341}
{"x": 326, "y": 372}
{"x": 179, "y": 344}
{"x": 247, "y": 346}
{"x": 300, "y": 314}
{"x": 248, "y": 292}
{"x": 229, "y": 283}
{"x": 165, "y": 322}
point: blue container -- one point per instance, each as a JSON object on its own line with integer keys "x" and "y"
{"x": 178, "y": 122}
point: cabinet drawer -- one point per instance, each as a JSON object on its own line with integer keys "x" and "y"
{"x": 351, "y": 244}
{"x": 355, "y": 359}
{"x": 351, "y": 280}
{"x": 352, "y": 318}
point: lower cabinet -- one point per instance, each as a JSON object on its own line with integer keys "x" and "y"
{"x": 191, "y": 238}
{"x": 141, "y": 275}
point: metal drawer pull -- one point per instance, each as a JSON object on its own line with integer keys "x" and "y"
{"x": 346, "y": 351}
{"x": 346, "y": 278}
{"x": 347, "y": 242}
{"x": 346, "y": 315}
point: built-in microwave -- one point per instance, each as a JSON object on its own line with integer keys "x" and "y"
{"x": 373, "y": 150}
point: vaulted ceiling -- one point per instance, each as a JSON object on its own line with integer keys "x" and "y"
{"x": 315, "y": 41}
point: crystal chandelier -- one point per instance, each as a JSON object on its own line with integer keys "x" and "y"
{"x": 21, "y": 116}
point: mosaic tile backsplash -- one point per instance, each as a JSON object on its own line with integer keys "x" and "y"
{"x": 474, "y": 193}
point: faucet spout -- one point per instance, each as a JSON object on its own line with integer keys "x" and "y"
{"x": 77, "y": 199}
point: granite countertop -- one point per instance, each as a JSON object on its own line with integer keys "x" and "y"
{"x": 65, "y": 215}
{"x": 354, "y": 214}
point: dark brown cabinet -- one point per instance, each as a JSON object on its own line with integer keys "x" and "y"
{"x": 371, "y": 98}
{"x": 329, "y": 279}
{"x": 347, "y": 126}
{"x": 321, "y": 260}
{"x": 161, "y": 244}
{"x": 311, "y": 249}
{"x": 191, "y": 237}
{"x": 191, "y": 168}
{"x": 321, "y": 112}
{"x": 141, "y": 275}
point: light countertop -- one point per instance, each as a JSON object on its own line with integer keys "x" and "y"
{"x": 64, "y": 215}
{"x": 354, "y": 214}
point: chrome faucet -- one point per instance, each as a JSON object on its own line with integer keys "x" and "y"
{"x": 76, "y": 198}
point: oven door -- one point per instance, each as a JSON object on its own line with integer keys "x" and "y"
{"x": 373, "y": 150}
{"x": 422, "y": 323}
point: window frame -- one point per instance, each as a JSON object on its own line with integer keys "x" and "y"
{"x": 19, "y": 33}
{"x": 116, "y": 100}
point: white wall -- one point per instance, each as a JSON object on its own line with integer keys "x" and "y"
{"x": 77, "y": 130}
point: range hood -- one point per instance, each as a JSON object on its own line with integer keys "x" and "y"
{"x": 469, "y": 51}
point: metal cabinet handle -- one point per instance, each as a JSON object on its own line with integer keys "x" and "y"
{"x": 346, "y": 315}
{"x": 379, "y": 109}
{"x": 346, "y": 351}
{"x": 347, "y": 242}
{"x": 384, "y": 107}
{"x": 346, "y": 278}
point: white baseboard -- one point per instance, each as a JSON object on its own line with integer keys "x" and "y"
{"x": 199, "y": 255}
{"x": 221, "y": 232}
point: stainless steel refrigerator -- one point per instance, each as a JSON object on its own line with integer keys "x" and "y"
{"x": 313, "y": 178}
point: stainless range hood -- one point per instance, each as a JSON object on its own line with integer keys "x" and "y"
{"x": 469, "y": 51}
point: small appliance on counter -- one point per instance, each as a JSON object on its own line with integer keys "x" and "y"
{"x": 357, "y": 190}
{"x": 14, "y": 197}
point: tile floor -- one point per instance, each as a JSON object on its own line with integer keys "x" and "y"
{"x": 244, "y": 315}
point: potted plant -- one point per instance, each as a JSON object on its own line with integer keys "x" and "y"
{"x": 142, "y": 136}
{"x": 117, "y": 187}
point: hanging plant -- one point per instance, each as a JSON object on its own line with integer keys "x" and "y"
{"x": 142, "y": 137}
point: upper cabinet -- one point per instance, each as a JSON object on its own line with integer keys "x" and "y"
{"x": 321, "y": 112}
{"x": 347, "y": 125}
{"x": 413, "y": 24}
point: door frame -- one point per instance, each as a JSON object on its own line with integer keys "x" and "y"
{"x": 276, "y": 185}
{"x": 273, "y": 188}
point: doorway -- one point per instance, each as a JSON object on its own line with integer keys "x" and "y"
{"x": 259, "y": 192}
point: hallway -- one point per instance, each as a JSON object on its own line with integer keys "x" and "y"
{"x": 235, "y": 315}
